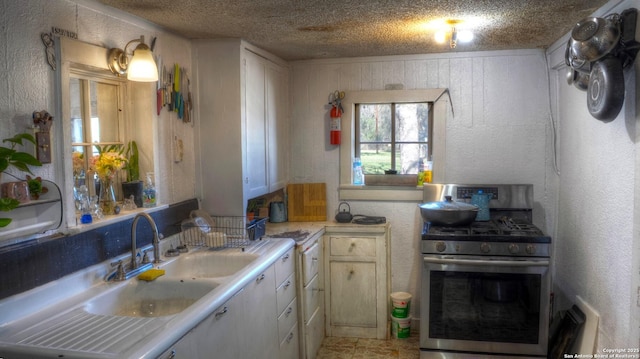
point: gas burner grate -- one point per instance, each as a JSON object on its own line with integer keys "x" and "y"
{"x": 503, "y": 226}
{"x": 513, "y": 227}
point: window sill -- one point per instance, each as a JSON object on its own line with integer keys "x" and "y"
{"x": 380, "y": 193}
{"x": 110, "y": 219}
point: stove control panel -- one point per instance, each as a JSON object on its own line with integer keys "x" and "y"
{"x": 485, "y": 248}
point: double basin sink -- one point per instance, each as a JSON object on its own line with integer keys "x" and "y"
{"x": 84, "y": 316}
{"x": 186, "y": 280}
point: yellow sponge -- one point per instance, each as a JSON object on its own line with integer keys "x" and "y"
{"x": 151, "y": 274}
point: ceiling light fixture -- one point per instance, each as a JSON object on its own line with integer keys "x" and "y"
{"x": 451, "y": 33}
{"x": 141, "y": 68}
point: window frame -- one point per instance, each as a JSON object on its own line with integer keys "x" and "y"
{"x": 394, "y": 140}
{"x": 441, "y": 109}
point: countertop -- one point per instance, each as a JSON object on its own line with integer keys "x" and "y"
{"x": 300, "y": 232}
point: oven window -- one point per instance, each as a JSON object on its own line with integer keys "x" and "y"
{"x": 491, "y": 307}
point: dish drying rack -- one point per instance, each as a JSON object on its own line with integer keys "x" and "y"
{"x": 221, "y": 231}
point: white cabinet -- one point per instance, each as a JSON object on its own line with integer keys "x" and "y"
{"x": 310, "y": 282}
{"x": 357, "y": 281}
{"x": 242, "y": 117}
{"x": 287, "y": 307}
{"x": 258, "y": 319}
{"x": 219, "y": 334}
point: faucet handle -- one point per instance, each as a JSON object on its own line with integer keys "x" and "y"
{"x": 145, "y": 257}
{"x": 120, "y": 274}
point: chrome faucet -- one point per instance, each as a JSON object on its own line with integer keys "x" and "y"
{"x": 120, "y": 272}
{"x": 155, "y": 242}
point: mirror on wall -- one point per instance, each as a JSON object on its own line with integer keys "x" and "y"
{"x": 96, "y": 117}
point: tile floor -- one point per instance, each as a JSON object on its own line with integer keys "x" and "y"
{"x": 355, "y": 348}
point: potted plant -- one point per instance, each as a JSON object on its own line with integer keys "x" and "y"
{"x": 35, "y": 187}
{"x": 11, "y": 157}
{"x": 133, "y": 186}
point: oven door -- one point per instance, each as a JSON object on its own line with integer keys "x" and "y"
{"x": 485, "y": 305}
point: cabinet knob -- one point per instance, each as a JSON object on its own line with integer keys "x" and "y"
{"x": 287, "y": 284}
{"x": 222, "y": 312}
{"x": 260, "y": 278}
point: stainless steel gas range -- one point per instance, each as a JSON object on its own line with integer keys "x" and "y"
{"x": 485, "y": 288}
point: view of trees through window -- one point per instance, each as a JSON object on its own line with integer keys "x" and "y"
{"x": 393, "y": 136}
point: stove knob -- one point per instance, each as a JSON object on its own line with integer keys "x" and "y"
{"x": 531, "y": 249}
{"x": 485, "y": 247}
{"x": 441, "y": 246}
{"x": 514, "y": 248}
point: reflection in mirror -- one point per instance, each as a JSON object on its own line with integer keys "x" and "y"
{"x": 96, "y": 119}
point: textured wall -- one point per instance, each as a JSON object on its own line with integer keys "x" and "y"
{"x": 596, "y": 247}
{"x": 27, "y": 83}
{"x": 497, "y": 135}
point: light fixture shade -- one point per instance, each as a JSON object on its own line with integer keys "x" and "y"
{"x": 142, "y": 67}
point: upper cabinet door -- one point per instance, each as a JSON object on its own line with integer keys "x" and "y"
{"x": 278, "y": 126}
{"x": 256, "y": 176}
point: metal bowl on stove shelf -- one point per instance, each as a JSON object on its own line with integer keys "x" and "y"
{"x": 448, "y": 212}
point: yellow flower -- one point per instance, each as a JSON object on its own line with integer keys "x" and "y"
{"x": 106, "y": 164}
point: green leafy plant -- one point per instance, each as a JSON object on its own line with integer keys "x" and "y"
{"x": 11, "y": 157}
{"x": 133, "y": 158}
{"x": 7, "y": 204}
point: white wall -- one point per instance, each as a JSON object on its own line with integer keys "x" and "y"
{"x": 498, "y": 134}
{"x": 596, "y": 244}
{"x": 27, "y": 83}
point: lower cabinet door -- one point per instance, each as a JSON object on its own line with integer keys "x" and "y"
{"x": 290, "y": 346}
{"x": 353, "y": 294}
{"x": 314, "y": 334}
{"x": 311, "y": 298}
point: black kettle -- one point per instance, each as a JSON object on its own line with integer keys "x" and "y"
{"x": 344, "y": 216}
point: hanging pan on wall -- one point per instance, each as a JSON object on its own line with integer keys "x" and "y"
{"x": 605, "y": 92}
{"x": 596, "y": 54}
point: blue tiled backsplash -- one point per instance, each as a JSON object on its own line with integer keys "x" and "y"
{"x": 31, "y": 264}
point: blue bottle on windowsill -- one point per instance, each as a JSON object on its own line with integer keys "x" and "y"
{"x": 358, "y": 176}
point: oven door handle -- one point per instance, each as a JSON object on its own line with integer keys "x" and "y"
{"x": 485, "y": 262}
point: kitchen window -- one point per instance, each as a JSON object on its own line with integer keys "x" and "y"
{"x": 393, "y": 136}
{"x": 426, "y": 143}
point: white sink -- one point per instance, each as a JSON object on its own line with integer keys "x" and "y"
{"x": 210, "y": 264}
{"x": 158, "y": 298}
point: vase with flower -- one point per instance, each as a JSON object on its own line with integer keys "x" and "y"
{"x": 78, "y": 169}
{"x": 106, "y": 164}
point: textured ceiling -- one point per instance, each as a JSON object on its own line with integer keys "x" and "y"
{"x": 308, "y": 29}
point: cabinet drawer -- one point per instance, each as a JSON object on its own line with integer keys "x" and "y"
{"x": 285, "y": 292}
{"x": 310, "y": 262}
{"x": 290, "y": 346}
{"x": 285, "y": 265}
{"x": 353, "y": 246}
{"x": 311, "y": 298}
{"x": 314, "y": 334}
{"x": 287, "y": 320}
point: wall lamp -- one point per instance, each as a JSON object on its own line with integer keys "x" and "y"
{"x": 140, "y": 68}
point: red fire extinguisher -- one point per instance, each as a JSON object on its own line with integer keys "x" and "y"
{"x": 336, "y": 116}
